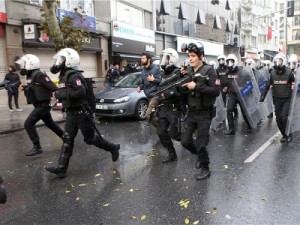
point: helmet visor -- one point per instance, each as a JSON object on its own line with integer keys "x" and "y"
{"x": 59, "y": 60}
{"x": 21, "y": 62}
{"x": 292, "y": 65}
{"x": 165, "y": 59}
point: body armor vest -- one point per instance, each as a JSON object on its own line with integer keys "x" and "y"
{"x": 41, "y": 93}
{"x": 281, "y": 86}
{"x": 200, "y": 101}
{"x": 231, "y": 76}
{"x": 65, "y": 85}
{"x": 222, "y": 72}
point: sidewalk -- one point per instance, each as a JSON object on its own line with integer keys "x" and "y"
{"x": 12, "y": 122}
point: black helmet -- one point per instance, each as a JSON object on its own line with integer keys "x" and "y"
{"x": 196, "y": 48}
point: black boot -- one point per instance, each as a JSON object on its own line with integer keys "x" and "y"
{"x": 62, "y": 167}
{"x": 36, "y": 149}
{"x": 115, "y": 152}
{"x": 171, "y": 157}
{"x": 204, "y": 172}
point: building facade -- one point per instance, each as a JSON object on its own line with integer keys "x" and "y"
{"x": 259, "y": 30}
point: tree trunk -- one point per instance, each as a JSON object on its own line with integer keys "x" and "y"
{"x": 52, "y": 22}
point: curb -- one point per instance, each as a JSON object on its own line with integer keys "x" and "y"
{"x": 4, "y": 132}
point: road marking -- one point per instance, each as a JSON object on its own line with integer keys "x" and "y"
{"x": 261, "y": 149}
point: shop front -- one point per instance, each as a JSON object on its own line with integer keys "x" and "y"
{"x": 129, "y": 42}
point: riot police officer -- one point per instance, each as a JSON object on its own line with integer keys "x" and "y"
{"x": 201, "y": 96}
{"x": 79, "y": 115}
{"x": 222, "y": 71}
{"x": 233, "y": 71}
{"x": 281, "y": 80}
{"x": 168, "y": 124}
{"x": 38, "y": 91}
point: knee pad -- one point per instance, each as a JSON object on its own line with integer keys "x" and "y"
{"x": 67, "y": 138}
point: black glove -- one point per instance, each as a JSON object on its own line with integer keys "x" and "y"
{"x": 61, "y": 94}
{"x": 261, "y": 99}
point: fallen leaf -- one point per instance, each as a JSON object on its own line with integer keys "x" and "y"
{"x": 186, "y": 221}
{"x": 225, "y": 166}
{"x": 73, "y": 186}
{"x": 133, "y": 217}
{"x": 175, "y": 179}
{"x": 93, "y": 183}
{"x": 184, "y": 203}
{"x": 114, "y": 171}
{"x": 77, "y": 198}
{"x": 196, "y": 222}
{"x": 212, "y": 212}
{"x": 143, "y": 217}
{"x": 82, "y": 185}
{"x": 98, "y": 174}
{"x": 50, "y": 162}
{"x": 131, "y": 190}
{"x": 105, "y": 205}
{"x": 68, "y": 191}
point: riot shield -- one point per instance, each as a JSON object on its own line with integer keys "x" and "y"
{"x": 248, "y": 94}
{"x": 293, "y": 123}
{"x": 262, "y": 77}
{"x": 220, "y": 113}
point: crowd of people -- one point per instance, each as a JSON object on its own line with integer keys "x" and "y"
{"x": 183, "y": 95}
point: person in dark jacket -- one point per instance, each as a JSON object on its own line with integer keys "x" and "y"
{"x": 13, "y": 88}
{"x": 151, "y": 78}
{"x": 74, "y": 96}
{"x": 40, "y": 96}
{"x": 282, "y": 82}
{"x": 202, "y": 92}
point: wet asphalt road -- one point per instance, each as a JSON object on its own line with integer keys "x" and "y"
{"x": 139, "y": 189}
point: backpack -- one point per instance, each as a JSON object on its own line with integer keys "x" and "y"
{"x": 87, "y": 82}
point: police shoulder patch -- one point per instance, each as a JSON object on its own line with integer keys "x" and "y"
{"x": 47, "y": 79}
{"x": 78, "y": 82}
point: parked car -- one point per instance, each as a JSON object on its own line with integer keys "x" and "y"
{"x": 122, "y": 99}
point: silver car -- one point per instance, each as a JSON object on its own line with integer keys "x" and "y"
{"x": 122, "y": 99}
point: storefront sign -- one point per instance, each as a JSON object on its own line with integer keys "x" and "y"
{"x": 210, "y": 48}
{"x": 29, "y": 31}
{"x": 3, "y": 16}
{"x": 130, "y": 32}
{"x": 122, "y": 45}
{"x": 83, "y": 21}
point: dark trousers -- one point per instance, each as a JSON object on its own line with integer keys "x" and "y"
{"x": 14, "y": 94}
{"x": 168, "y": 126}
{"x": 282, "y": 106}
{"x": 40, "y": 112}
{"x": 80, "y": 120}
{"x": 199, "y": 122}
{"x": 233, "y": 100}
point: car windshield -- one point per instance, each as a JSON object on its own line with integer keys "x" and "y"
{"x": 132, "y": 80}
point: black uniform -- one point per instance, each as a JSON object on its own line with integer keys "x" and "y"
{"x": 200, "y": 112}
{"x": 73, "y": 94}
{"x": 168, "y": 125}
{"x": 233, "y": 100}
{"x": 281, "y": 80}
{"x": 43, "y": 88}
{"x": 222, "y": 71}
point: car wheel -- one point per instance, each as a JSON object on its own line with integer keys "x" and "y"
{"x": 140, "y": 110}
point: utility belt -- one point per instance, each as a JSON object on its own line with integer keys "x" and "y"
{"x": 203, "y": 112}
{"x": 174, "y": 107}
{"x": 77, "y": 111}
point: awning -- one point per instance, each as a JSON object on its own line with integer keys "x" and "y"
{"x": 183, "y": 12}
{"x": 217, "y": 22}
{"x": 200, "y": 19}
{"x": 165, "y": 8}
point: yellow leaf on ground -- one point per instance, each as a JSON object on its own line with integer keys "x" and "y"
{"x": 186, "y": 221}
{"x": 196, "y": 222}
{"x": 105, "y": 205}
{"x": 225, "y": 166}
{"x": 82, "y": 185}
{"x": 143, "y": 217}
{"x": 131, "y": 190}
{"x": 77, "y": 198}
{"x": 98, "y": 174}
{"x": 73, "y": 186}
{"x": 68, "y": 191}
{"x": 133, "y": 217}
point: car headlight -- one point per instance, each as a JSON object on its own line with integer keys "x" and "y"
{"x": 123, "y": 99}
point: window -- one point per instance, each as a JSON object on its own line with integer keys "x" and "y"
{"x": 281, "y": 35}
{"x": 85, "y": 7}
{"x": 281, "y": 22}
{"x": 296, "y": 21}
{"x": 281, "y": 8}
{"x": 130, "y": 15}
{"x": 37, "y": 2}
{"x": 296, "y": 34}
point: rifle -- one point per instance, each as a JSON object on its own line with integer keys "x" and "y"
{"x": 5, "y": 84}
{"x": 177, "y": 83}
